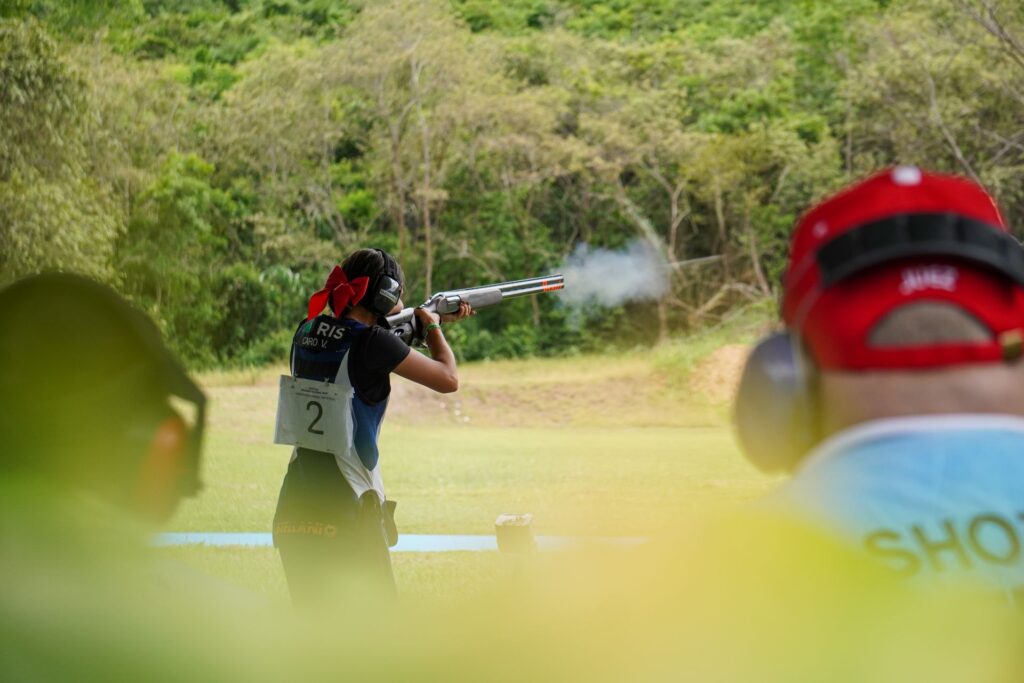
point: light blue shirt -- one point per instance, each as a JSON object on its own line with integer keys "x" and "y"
{"x": 930, "y": 496}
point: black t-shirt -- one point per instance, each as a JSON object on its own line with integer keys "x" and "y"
{"x": 375, "y": 354}
{"x": 319, "y": 346}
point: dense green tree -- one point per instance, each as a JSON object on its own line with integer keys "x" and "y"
{"x": 942, "y": 86}
{"x": 214, "y": 158}
{"x": 174, "y": 251}
{"x": 52, "y": 214}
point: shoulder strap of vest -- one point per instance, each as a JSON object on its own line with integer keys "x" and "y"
{"x": 341, "y": 378}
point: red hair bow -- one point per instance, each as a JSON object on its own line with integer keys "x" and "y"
{"x": 339, "y": 291}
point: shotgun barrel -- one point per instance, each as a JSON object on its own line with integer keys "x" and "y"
{"x": 405, "y": 325}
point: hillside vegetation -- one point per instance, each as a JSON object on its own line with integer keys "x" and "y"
{"x": 213, "y": 158}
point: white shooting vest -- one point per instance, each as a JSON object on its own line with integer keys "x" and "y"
{"x": 319, "y": 416}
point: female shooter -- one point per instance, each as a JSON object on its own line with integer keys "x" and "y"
{"x": 333, "y": 521}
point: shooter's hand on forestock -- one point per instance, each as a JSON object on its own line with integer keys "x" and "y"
{"x": 465, "y": 310}
{"x": 426, "y": 316}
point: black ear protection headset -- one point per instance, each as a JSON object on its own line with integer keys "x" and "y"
{"x": 163, "y": 367}
{"x": 384, "y": 290}
{"x": 777, "y": 411}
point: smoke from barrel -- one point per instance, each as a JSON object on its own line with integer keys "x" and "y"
{"x": 596, "y": 277}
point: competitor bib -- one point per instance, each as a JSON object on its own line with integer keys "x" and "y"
{"x": 314, "y": 415}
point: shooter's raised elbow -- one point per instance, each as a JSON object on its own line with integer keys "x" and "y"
{"x": 450, "y": 384}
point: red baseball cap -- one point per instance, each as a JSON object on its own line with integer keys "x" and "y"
{"x": 899, "y": 237}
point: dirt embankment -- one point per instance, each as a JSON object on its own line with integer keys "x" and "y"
{"x": 624, "y": 392}
{"x": 629, "y": 394}
{"x": 616, "y": 402}
{"x": 717, "y": 376}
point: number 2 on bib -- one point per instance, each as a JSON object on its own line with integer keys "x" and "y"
{"x": 319, "y": 414}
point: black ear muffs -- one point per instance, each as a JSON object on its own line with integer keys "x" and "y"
{"x": 386, "y": 293}
{"x": 386, "y": 289}
{"x": 776, "y": 411}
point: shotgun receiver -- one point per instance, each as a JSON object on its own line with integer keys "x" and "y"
{"x": 406, "y": 326}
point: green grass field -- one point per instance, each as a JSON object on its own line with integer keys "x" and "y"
{"x": 590, "y": 446}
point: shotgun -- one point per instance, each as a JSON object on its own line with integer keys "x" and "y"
{"x": 406, "y": 326}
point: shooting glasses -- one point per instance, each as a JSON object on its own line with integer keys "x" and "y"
{"x": 172, "y": 379}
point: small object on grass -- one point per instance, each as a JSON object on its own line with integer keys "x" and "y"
{"x": 514, "y": 533}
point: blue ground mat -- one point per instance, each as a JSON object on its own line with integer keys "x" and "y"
{"x": 407, "y": 543}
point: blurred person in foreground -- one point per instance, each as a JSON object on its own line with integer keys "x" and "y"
{"x": 86, "y": 385}
{"x": 896, "y": 394}
{"x": 93, "y": 456}
{"x": 333, "y": 523}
